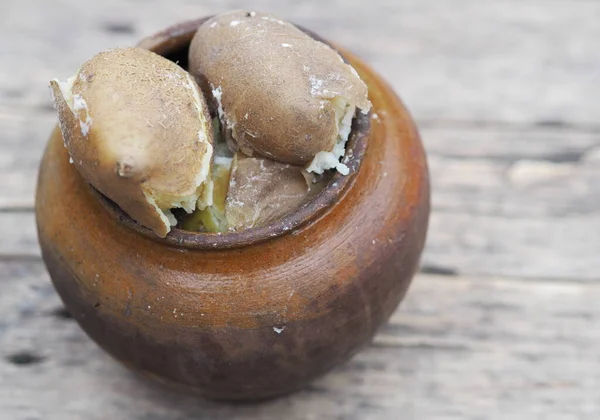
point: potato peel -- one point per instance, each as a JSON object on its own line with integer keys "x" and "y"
{"x": 138, "y": 129}
{"x": 278, "y": 88}
{"x": 262, "y": 191}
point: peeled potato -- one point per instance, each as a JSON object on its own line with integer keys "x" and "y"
{"x": 279, "y": 93}
{"x": 138, "y": 129}
{"x": 262, "y": 191}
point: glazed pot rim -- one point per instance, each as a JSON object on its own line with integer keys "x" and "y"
{"x": 176, "y": 39}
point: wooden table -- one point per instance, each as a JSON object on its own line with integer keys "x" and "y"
{"x": 502, "y": 322}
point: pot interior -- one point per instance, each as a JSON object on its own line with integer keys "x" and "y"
{"x": 173, "y": 43}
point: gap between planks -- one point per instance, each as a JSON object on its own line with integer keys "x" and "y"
{"x": 45, "y": 112}
{"x": 478, "y": 349}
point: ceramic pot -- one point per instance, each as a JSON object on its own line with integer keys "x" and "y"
{"x": 254, "y": 314}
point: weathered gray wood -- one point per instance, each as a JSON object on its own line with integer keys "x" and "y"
{"x": 506, "y": 201}
{"x": 522, "y": 189}
{"x": 514, "y": 172}
{"x": 458, "y": 348}
{"x": 510, "y": 143}
{"x": 505, "y": 94}
{"x": 22, "y": 142}
{"x": 18, "y": 235}
{"x": 515, "y": 203}
{"x": 547, "y": 247}
{"x": 466, "y": 244}
{"x": 465, "y": 60}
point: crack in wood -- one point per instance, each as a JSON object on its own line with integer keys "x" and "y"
{"x": 24, "y": 358}
{"x": 554, "y": 125}
{"x": 438, "y": 270}
{"x": 120, "y": 28}
{"x": 62, "y": 313}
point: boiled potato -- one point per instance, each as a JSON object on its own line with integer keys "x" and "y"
{"x": 279, "y": 93}
{"x": 262, "y": 191}
{"x": 137, "y": 128}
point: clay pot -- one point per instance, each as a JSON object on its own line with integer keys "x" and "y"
{"x": 255, "y": 314}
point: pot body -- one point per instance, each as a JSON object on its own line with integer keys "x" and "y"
{"x": 255, "y": 321}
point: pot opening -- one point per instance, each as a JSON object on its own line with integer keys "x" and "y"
{"x": 173, "y": 43}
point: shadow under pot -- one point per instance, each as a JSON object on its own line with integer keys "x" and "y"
{"x": 253, "y": 314}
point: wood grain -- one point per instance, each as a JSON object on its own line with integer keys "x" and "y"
{"x": 547, "y": 247}
{"x": 505, "y": 94}
{"x": 466, "y": 60}
{"x": 502, "y": 172}
{"x": 550, "y": 248}
{"x": 514, "y": 202}
{"x": 458, "y": 348}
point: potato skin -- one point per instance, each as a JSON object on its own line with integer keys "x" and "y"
{"x": 262, "y": 191}
{"x": 136, "y": 127}
{"x": 275, "y": 84}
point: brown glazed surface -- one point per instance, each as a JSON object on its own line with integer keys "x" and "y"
{"x": 254, "y": 320}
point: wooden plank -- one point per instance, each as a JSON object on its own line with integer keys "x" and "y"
{"x": 551, "y": 247}
{"x": 22, "y": 142}
{"x": 513, "y": 173}
{"x": 509, "y": 61}
{"x": 18, "y": 236}
{"x": 510, "y": 202}
{"x": 467, "y": 244}
{"x": 505, "y": 93}
{"x": 522, "y": 189}
{"x": 510, "y": 144}
{"x": 458, "y": 348}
